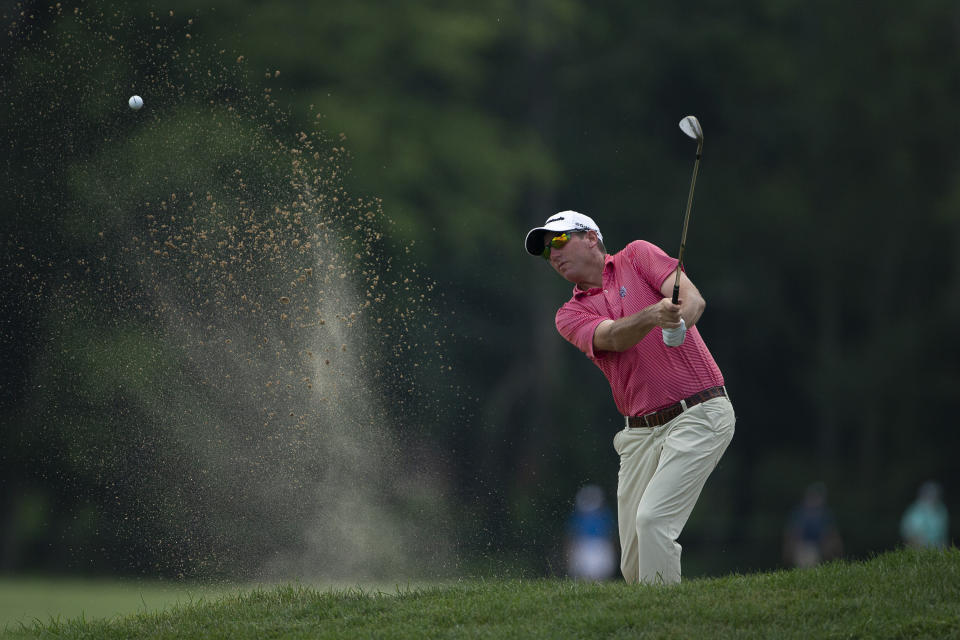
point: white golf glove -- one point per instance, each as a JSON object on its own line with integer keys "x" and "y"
{"x": 675, "y": 337}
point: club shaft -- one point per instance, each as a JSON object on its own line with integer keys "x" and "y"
{"x": 686, "y": 223}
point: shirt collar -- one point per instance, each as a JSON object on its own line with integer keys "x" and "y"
{"x": 580, "y": 293}
{"x": 607, "y": 275}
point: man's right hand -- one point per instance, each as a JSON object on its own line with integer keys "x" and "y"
{"x": 667, "y": 314}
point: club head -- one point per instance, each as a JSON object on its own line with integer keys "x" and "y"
{"x": 691, "y": 126}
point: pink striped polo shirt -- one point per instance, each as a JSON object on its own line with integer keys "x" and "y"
{"x": 650, "y": 375}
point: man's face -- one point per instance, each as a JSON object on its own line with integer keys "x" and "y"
{"x": 572, "y": 259}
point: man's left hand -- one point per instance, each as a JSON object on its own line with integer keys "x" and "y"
{"x": 675, "y": 337}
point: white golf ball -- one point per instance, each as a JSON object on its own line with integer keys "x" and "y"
{"x": 135, "y": 102}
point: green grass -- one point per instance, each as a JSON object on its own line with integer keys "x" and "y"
{"x": 903, "y": 594}
{"x": 26, "y": 600}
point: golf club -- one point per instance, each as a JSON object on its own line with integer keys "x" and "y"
{"x": 690, "y": 126}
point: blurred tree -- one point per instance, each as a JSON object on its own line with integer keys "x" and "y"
{"x": 824, "y": 233}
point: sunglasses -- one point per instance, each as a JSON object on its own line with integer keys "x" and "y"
{"x": 555, "y": 243}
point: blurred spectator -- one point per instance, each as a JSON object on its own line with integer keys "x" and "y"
{"x": 811, "y": 535}
{"x": 924, "y": 523}
{"x": 590, "y": 551}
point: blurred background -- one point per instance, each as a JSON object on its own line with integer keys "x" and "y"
{"x": 279, "y": 322}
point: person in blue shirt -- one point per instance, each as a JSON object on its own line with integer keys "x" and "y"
{"x": 925, "y": 522}
{"x": 590, "y": 528}
{"x": 811, "y": 535}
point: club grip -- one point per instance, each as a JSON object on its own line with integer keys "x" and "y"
{"x": 676, "y": 294}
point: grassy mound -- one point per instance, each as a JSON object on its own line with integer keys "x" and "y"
{"x": 902, "y": 594}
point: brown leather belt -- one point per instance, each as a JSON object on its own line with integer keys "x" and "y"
{"x": 667, "y": 414}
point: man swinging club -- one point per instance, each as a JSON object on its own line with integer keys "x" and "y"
{"x": 678, "y": 418}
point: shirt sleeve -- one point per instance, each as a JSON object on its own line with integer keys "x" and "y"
{"x": 651, "y": 262}
{"x": 577, "y": 324}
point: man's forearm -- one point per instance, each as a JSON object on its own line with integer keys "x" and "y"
{"x": 624, "y": 333}
{"x": 691, "y": 310}
{"x": 692, "y": 303}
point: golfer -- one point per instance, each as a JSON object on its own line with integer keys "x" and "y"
{"x": 678, "y": 419}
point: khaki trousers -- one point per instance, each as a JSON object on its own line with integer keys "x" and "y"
{"x": 662, "y": 471}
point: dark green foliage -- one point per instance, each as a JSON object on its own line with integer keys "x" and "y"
{"x": 426, "y": 140}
